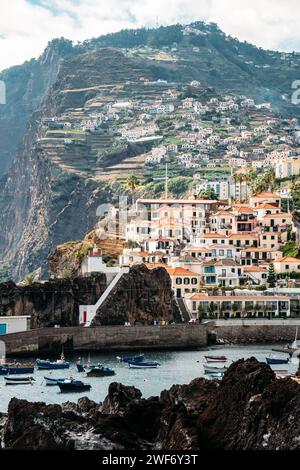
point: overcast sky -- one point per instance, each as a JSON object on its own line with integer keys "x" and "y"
{"x": 27, "y": 25}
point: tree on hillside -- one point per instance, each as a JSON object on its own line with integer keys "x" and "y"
{"x": 209, "y": 194}
{"x": 132, "y": 183}
{"x": 272, "y": 276}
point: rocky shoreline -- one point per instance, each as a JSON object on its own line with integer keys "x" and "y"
{"x": 249, "y": 409}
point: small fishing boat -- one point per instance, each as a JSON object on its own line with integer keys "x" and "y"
{"x": 277, "y": 360}
{"x": 73, "y": 386}
{"x": 211, "y": 370}
{"x": 216, "y": 376}
{"x": 143, "y": 365}
{"x": 215, "y": 358}
{"x": 14, "y": 369}
{"x": 137, "y": 358}
{"x": 53, "y": 381}
{"x": 80, "y": 367}
{"x": 100, "y": 371}
{"x": 48, "y": 365}
{"x": 19, "y": 380}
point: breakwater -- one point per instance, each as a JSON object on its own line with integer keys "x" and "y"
{"x": 105, "y": 338}
{"x": 253, "y": 331}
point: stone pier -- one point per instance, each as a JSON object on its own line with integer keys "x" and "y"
{"x": 105, "y": 338}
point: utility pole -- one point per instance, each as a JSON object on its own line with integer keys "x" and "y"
{"x": 166, "y": 182}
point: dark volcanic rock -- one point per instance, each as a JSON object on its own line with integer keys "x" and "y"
{"x": 119, "y": 396}
{"x": 248, "y": 409}
{"x": 140, "y": 297}
{"x": 53, "y": 302}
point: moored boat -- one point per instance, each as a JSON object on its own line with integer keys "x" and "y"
{"x": 143, "y": 365}
{"x": 216, "y": 376}
{"x": 72, "y": 386}
{"x": 277, "y": 360}
{"x": 211, "y": 369}
{"x": 215, "y": 358}
{"x": 53, "y": 381}
{"x": 136, "y": 358}
{"x": 19, "y": 380}
{"x": 15, "y": 369}
{"x": 80, "y": 367}
{"x": 100, "y": 371}
{"x": 48, "y": 365}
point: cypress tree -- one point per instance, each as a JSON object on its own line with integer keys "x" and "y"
{"x": 272, "y": 276}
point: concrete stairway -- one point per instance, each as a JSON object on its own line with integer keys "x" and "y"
{"x": 183, "y": 310}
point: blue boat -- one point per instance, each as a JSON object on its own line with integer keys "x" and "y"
{"x": 277, "y": 360}
{"x": 80, "y": 367}
{"x": 48, "y": 365}
{"x": 71, "y": 386}
{"x": 8, "y": 369}
{"x": 143, "y": 365}
{"x": 100, "y": 371}
{"x": 137, "y": 358}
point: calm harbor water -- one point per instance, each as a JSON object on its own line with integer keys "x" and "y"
{"x": 177, "y": 367}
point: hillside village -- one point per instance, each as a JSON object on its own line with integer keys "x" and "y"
{"x": 215, "y": 174}
{"x": 223, "y": 259}
{"x": 137, "y": 127}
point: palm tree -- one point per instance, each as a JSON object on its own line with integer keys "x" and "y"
{"x": 270, "y": 178}
{"x": 211, "y": 309}
{"x": 249, "y": 179}
{"x": 132, "y": 183}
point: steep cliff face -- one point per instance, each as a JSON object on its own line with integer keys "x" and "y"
{"x": 53, "y": 302}
{"x": 26, "y": 86}
{"x": 248, "y": 410}
{"x": 141, "y": 296}
{"x": 42, "y": 202}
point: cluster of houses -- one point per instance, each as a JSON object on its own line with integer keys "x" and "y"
{"x": 207, "y": 246}
{"x": 219, "y": 257}
{"x": 192, "y": 130}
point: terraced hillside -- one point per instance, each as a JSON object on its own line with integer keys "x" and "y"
{"x": 69, "y": 142}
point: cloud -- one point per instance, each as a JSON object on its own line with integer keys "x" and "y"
{"x": 27, "y": 25}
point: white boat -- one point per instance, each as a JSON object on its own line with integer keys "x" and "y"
{"x": 19, "y": 380}
{"x": 143, "y": 365}
{"x": 53, "y": 381}
{"x": 214, "y": 370}
{"x": 294, "y": 344}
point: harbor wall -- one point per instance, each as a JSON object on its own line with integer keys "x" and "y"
{"x": 251, "y": 331}
{"x": 105, "y": 338}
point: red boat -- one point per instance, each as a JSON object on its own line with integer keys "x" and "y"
{"x": 215, "y": 358}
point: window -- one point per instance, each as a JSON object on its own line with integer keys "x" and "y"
{"x": 194, "y": 305}
{"x": 221, "y": 252}
{"x": 194, "y": 280}
{"x": 186, "y": 280}
{"x": 178, "y": 280}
